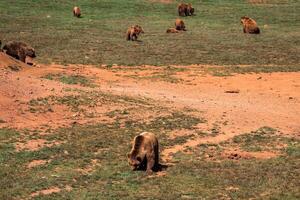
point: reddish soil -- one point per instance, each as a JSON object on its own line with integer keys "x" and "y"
{"x": 266, "y": 99}
{"x": 36, "y": 163}
{"x": 34, "y": 145}
{"x": 238, "y": 154}
{"x": 46, "y": 191}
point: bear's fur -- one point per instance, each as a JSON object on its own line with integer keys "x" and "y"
{"x": 182, "y": 9}
{"x": 19, "y": 50}
{"x": 172, "y": 30}
{"x": 190, "y": 10}
{"x": 133, "y": 32}
{"x": 179, "y": 25}
{"x": 249, "y": 25}
{"x": 185, "y": 9}
{"x": 76, "y": 11}
{"x": 144, "y": 153}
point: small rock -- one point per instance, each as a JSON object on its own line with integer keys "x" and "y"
{"x": 232, "y": 91}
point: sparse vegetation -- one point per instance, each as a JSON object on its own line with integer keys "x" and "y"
{"x": 106, "y": 145}
{"x": 231, "y": 70}
{"x": 70, "y": 79}
{"x": 167, "y": 74}
{"x": 85, "y": 158}
{"x": 263, "y": 139}
{"x": 14, "y": 68}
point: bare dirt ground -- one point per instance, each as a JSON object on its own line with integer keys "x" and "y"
{"x": 233, "y": 104}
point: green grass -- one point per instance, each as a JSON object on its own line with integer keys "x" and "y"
{"x": 263, "y": 139}
{"x": 214, "y": 35}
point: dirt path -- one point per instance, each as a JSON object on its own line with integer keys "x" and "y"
{"x": 236, "y": 104}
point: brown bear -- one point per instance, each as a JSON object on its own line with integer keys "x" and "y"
{"x": 133, "y": 32}
{"x": 182, "y": 9}
{"x": 19, "y": 50}
{"x": 172, "y": 30}
{"x": 76, "y": 11}
{"x": 190, "y": 10}
{"x": 249, "y": 25}
{"x": 185, "y": 9}
{"x": 179, "y": 25}
{"x": 144, "y": 153}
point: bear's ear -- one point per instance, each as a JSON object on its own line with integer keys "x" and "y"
{"x": 139, "y": 159}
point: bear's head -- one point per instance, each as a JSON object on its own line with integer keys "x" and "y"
{"x": 30, "y": 52}
{"x": 244, "y": 19}
{"x": 138, "y": 29}
{"x": 134, "y": 162}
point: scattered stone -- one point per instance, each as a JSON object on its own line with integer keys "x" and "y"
{"x": 234, "y": 156}
{"x": 232, "y": 91}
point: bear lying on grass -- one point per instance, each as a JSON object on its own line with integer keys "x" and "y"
{"x": 179, "y": 25}
{"x": 172, "y": 30}
{"x": 19, "y": 50}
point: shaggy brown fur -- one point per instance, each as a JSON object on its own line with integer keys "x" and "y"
{"x": 185, "y": 9}
{"x": 249, "y": 25}
{"x": 19, "y": 50}
{"x": 76, "y": 11}
{"x": 172, "y": 30}
{"x": 190, "y": 10}
{"x": 182, "y": 9}
{"x": 144, "y": 153}
{"x": 179, "y": 25}
{"x": 133, "y": 32}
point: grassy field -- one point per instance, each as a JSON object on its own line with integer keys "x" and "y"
{"x": 86, "y": 158}
{"x": 91, "y": 159}
{"x": 214, "y": 35}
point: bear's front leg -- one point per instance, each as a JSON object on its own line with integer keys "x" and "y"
{"x": 22, "y": 56}
{"x": 150, "y": 164}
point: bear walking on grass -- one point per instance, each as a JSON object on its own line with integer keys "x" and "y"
{"x": 144, "y": 153}
{"x": 133, "y": 32}
{"x": 249, "y": 25}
